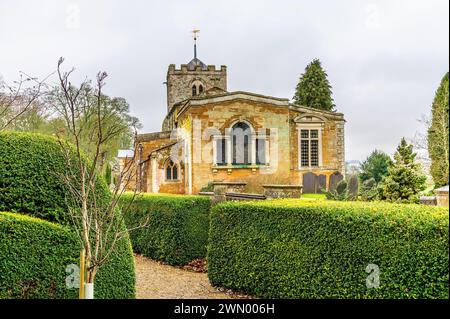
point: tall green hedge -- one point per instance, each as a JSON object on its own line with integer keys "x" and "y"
{"x": 30, "y": 169}
{"x": 177, "y": 228}
{"x": 34, "y": 255}
{"x": 320, "y": 249}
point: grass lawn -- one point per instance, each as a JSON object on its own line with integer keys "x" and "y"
{"x": 314, "y": 196}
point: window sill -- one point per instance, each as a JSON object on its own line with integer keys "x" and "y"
{"x": 315, "y": 168}
{"x": 230, "y": 168}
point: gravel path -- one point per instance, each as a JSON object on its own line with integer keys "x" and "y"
{"x": 157, "y": 281}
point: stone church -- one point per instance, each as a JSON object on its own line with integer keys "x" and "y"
{"x": 213, "y": 135}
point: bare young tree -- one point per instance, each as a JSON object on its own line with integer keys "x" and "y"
{"x": 98, "y": 221}
{"x": 419, "y": 140}
{"x": 420, "y": 143}
{"x": 18, "y": 98}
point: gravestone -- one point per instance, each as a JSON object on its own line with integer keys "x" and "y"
{"x": 309, "y": 183}
{"x": 353, "y": 186}
{"x": 335, "y": 178}
{"x": 321, "y": 183}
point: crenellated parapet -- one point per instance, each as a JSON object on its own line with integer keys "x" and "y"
{"x": 183, "y": 68}
{"x": 193, "y": 79}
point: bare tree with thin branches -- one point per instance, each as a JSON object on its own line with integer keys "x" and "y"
{"x": 420, "y": 144}
{"x": 98, "y": 221}
{"x": 18, "y": 98}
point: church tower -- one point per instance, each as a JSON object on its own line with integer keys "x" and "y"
{"x": 193, "y": 79}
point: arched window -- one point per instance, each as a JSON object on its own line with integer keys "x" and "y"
{"x": 241, "y": 137}
{"x": 171, "y": 170}
{"x": 197, "y": 87}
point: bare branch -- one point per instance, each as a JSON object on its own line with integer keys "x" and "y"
{"x": 16, "y": 100}
{"x": 91, "y": 123}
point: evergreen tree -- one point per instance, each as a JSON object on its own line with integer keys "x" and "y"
{"x": 375, "y": 166}
{"x": 313, "y": 89}
{"x": 438, "y": 135}
{"x": 369, "y": 191}
{"x": 404, "y": 180}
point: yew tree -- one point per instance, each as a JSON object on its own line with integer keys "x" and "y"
{"x": 438, "y": 135}
{"x": 313, "y": 89}
{"x": 404, "y": 181}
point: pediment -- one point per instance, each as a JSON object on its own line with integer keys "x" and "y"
{"x": 310, "y": 118}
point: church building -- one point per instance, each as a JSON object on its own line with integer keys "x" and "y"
{"x": 211, "y": 134}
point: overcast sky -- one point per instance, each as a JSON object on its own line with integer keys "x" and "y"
{"x": 384, "y": 59}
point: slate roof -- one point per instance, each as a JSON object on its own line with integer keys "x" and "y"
{"x": 196, "y": 62}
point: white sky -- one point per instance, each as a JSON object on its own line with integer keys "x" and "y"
{"x": 384, "y": 58}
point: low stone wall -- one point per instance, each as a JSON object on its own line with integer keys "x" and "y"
{"x": 244, "y": 196}
{"x": 282, "y": 191}
{"x": 224, "y": 191}
{"x": 235, "y": 187}
{"x": 428, "y": 200}
{"x": 222, "y": 188}
{"x": 442, "y": 196}
{"x": 206, "y": 193}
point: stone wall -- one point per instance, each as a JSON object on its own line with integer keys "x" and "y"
{"x": 442, "y": 196}
{"x": 219, "y": 118}
{"x": 222, "y": 188}
{"x": 156, "y": 149}
{"x": 282, "y": 191}
{"x": 333, "y": 145}
{"x": 283, "y": 157}
{"x": 179, "y": 81}
{"x": 156, "y": 181}
{"x": 276, "y": 118}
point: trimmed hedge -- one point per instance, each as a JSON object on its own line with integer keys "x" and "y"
{"x": 29, "y": 184}
{"x": 320, "y": 249}
{"x": 177, "y": 228}
{"x": 34, "y": 255}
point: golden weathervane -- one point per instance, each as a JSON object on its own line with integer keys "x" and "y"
{"x": 195, "y": 33}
